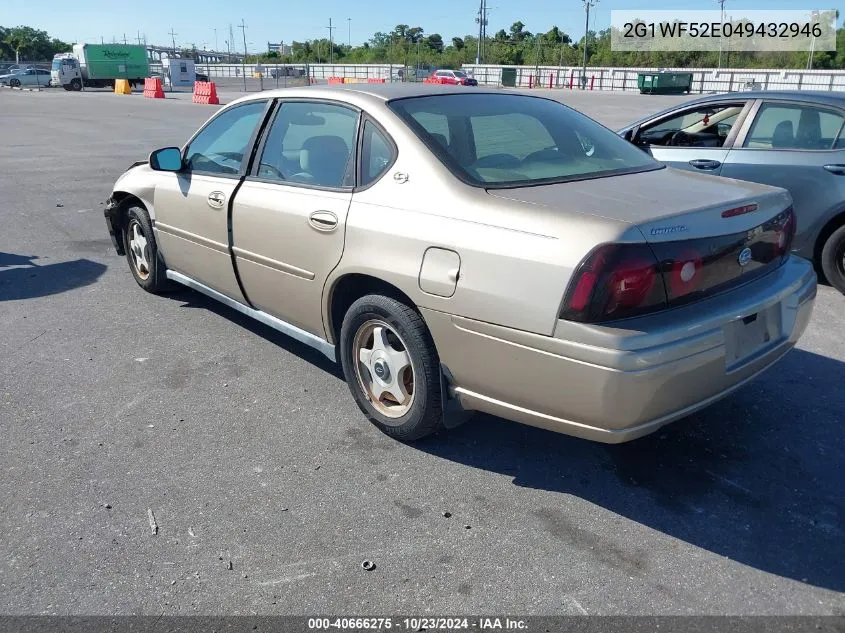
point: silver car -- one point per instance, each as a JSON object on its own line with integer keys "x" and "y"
{"x": 28, "y": 77}
{"x": 473, "y": 251}
{"x": 792, "y": 139}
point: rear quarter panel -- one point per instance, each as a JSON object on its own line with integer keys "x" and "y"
{"x": 515, "y": 258}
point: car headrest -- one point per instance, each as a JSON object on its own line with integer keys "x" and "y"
{"x": 783, "y": 135}
{"x": 325, "y": 158}
{"x": 809, "y": 129}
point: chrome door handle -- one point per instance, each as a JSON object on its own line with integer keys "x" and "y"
{"x": 839, "y": 170}
{"x": 216, "y": 199}
{"x": 704, "y": 163}
{"x": 323, "y": 221}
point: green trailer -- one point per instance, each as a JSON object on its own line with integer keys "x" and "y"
{"x": 98, "y": 65}
{"x": 663, "y": 83}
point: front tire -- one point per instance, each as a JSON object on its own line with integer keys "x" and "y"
{"x": 833, "y": 259}
{"x": 76, "y": 85}
{"x": 392, "y": 367}
{"x": 15, "y": 83}
{"x": 142, "y": 253}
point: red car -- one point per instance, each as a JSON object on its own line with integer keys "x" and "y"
{"x": 453, "y": 78}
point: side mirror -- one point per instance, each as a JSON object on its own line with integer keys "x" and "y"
{"x": 166, "y": 159}
{"x": 631, "y": 135}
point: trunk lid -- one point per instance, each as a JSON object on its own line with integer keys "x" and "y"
{"x": 666, "y": 205}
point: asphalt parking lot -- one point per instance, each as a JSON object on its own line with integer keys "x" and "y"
{"x": 249, "y": 449}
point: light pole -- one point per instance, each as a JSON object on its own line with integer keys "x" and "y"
{"x": 242, "y": 26}
{"x": 814, "y": 17}
{"x": 349, "y": 34}
{"x": 587, "y": 5}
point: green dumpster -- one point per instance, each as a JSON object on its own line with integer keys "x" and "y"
{"x": 509, "y": 77}
{"x": 664, "y": 83}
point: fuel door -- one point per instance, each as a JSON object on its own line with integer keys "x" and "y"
{"x": 440, "y": 271}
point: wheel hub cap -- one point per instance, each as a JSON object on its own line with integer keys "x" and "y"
{"x": 384, "y": 369}
{"x": 139, "y": 247}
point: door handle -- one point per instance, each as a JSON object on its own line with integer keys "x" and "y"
{"x": 839, "y": 170}
{"x": 325, "y": 221}
{"x": 704, "y": 163}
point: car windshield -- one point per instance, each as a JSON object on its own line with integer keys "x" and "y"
{"x": 507, "y": 140}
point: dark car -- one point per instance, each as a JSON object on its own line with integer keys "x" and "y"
{"x": 789, "y": 139}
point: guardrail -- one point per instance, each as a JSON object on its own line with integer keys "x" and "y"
{"x": 704, "y": 79}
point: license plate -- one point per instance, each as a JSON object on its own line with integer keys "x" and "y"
{"x": 745, "y": 338}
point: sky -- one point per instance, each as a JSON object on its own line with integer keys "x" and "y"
{"x": 286, "y": 20}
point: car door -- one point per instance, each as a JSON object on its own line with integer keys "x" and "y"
{"x": 696, "y": 138}
{"x": 192, "y": 205}
{"x": 795, "y": 145}
{"x": 289, "y": 217}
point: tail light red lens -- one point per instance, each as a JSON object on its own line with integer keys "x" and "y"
{"x": 618, "y": 281}
{"x": 683, "y": 274}
{"x": 614, "y": 282}
{"x": 785, "y": 231}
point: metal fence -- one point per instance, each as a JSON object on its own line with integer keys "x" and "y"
{"x": 704, "y": 79}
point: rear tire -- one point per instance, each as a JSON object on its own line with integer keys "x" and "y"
{"x": 833, "y": 259}
{"x": 142, "y": 252}
{"x": 386, "y": 349}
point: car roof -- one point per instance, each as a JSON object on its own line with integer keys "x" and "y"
{"x": 371, "y": 92}
{"x": 814, "y": 96}
{"x": 801, "y": 96}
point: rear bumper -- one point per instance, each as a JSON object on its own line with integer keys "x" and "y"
{"x": 616, "y": 383}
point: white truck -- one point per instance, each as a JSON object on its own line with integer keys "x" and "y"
{"x": 98, "y": 65}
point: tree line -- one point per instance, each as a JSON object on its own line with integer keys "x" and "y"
{"x": 412, "y": 46}
{"x": 24, "y": 43}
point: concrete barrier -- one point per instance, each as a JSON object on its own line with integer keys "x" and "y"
{"x": 122, "y": 87}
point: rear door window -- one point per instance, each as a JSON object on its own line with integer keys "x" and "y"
{"x": 795, "y": 126}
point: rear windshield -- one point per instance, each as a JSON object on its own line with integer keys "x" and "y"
{"x": 506, "y": 140}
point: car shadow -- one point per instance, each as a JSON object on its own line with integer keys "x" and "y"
{"x": 192, "y": 299}
{"x": 22, "y": 278}
{"x": 756, "y": 477}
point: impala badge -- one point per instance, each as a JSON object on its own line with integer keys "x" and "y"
{"x": 666, "y": 230}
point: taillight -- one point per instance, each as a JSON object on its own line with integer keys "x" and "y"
{"x": 683, "y": 273}
{"x": 784, "y": 231}
{"x": 615, "y": 281}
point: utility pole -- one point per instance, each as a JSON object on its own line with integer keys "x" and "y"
{"x": 139, "y": 38}
{"x": 173, "y": 39}
{"x": 231, "y": 43}
{"x": 331, "y": 41}
{"x": 242, "y": 26}
{"x": 814, "y": 17}
{"x": 721, "y": 4}
{"x": 124, "y": 39}
{"x": 349, "y": 34}
{"x": 587, "y": 5}
{"x": 481, "y": 20}
{"x": 215, "y": 40}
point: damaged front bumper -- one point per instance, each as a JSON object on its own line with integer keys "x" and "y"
{"x": 111, "y": 212}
